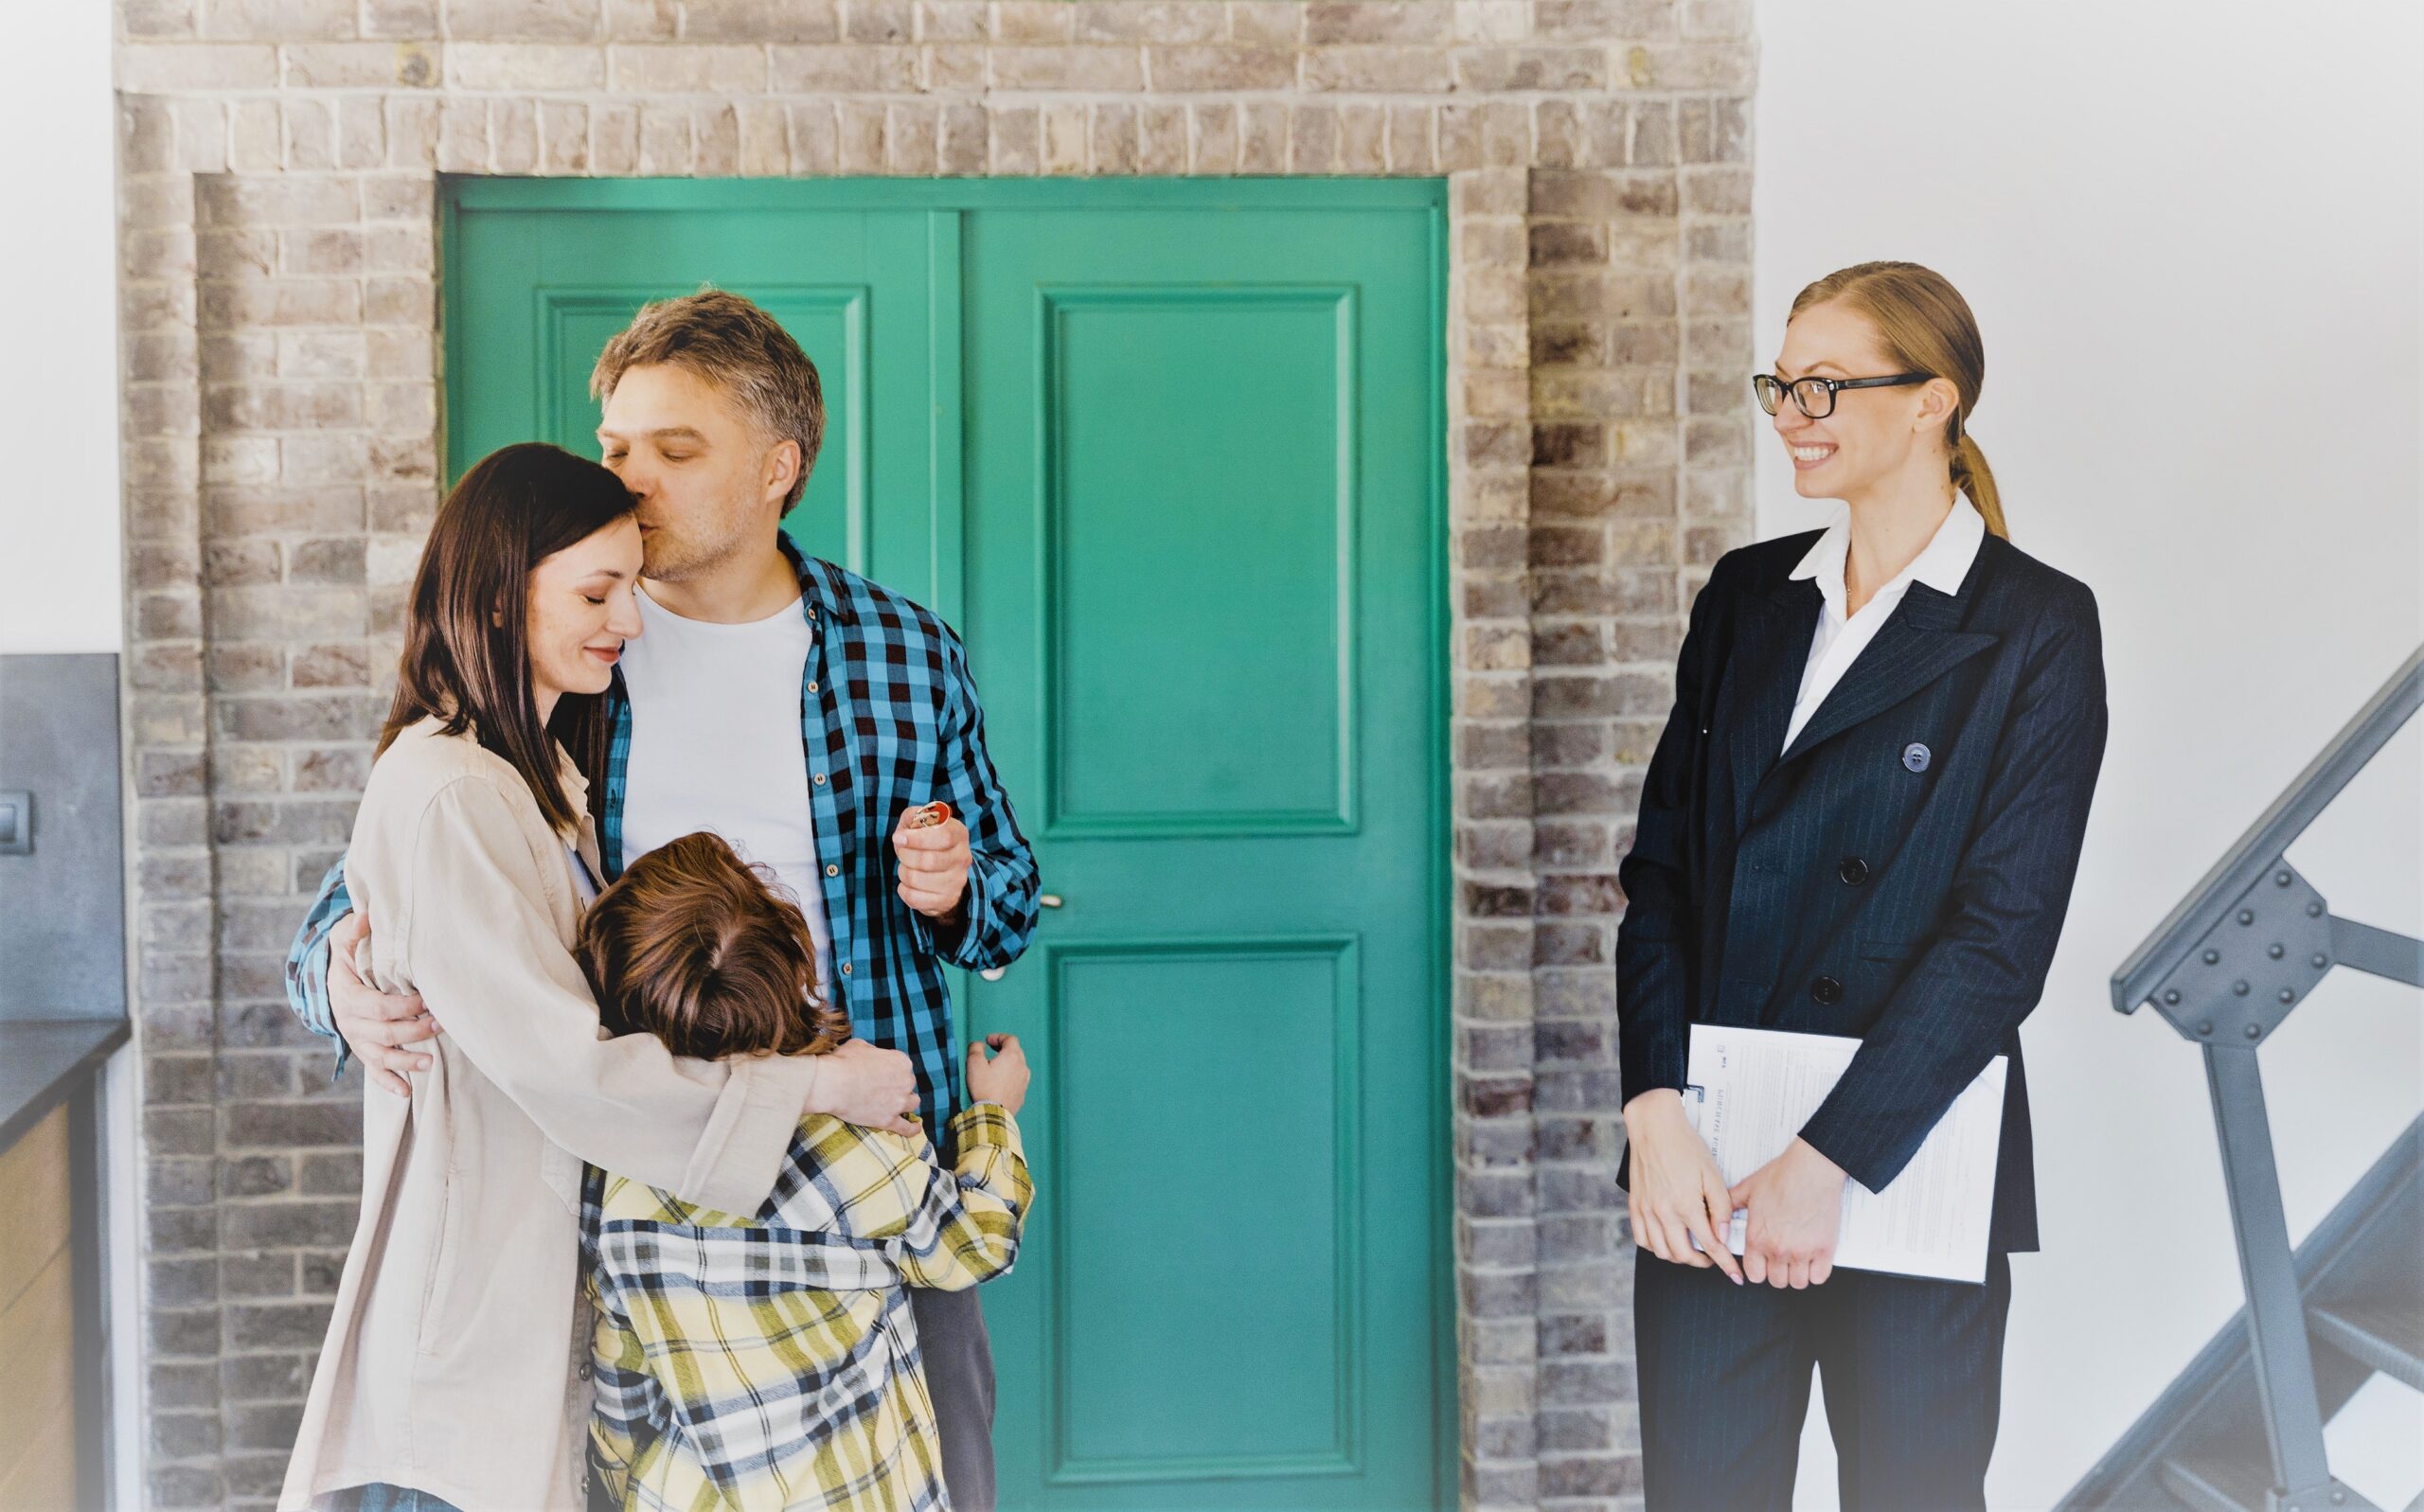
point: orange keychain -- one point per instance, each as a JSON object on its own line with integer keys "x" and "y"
{"x": 926, "y": 816}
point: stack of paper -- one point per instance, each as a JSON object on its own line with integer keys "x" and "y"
{"x": 1753, "y": 1089}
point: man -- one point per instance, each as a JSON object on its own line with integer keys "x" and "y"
{"x": 801, "y": 711}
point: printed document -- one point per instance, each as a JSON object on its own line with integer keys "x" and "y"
{"x": 1750, "y": 1091}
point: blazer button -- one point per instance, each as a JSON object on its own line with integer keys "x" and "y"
{"x": 1853, "y": 870}
{"x": 1827, "y": 990}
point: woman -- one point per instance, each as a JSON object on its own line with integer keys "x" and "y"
{"x": 1862, "y": 819}
{"x": 455, "y": 1373}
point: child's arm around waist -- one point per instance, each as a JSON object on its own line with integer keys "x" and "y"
{"x": 946, "y": 1229}
{"x": 886, "y": 1199}
{"x": 967, "y": 1229}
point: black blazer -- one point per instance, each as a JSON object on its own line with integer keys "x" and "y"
{"x": 1900, "y": 875}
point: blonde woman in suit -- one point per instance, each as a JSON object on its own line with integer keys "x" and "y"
{"x": 1862, "y": 819}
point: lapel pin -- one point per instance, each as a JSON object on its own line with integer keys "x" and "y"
{"x": 1917, "y": 757}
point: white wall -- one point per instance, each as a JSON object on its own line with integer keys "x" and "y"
{"x": 59, "y": 503}
{"x": 2190, "y": 233}
{"x": 59, "y": 499}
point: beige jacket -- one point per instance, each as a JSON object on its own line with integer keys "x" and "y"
{"x": 457, "y": 1360}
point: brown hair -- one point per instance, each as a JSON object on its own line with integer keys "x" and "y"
{"x": 467, "y": 632}
{"x": 738, "y": 349}
{"x": 700, "y": 949}
{"x": 1926, "y": 327}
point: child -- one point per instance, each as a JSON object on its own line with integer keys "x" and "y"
{"x": 770, "y": 1360}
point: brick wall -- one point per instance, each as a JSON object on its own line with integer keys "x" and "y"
{"x": 278, "y": 334}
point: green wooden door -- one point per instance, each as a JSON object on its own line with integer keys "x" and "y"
{"x": 1168, "y": 456}
{"x": 541, "y": 273}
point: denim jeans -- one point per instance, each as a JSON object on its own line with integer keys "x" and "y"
{"x": 381, "y": 1496}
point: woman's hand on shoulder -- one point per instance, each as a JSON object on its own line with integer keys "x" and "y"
{"x": 1796, "y": 1206}
{"x": 861, "y": 1083}
{"x": 1676, "y": 1194}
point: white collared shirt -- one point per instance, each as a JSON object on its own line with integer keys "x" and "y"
{"x": 1840, "y": 639}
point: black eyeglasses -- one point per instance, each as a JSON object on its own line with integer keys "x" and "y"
{"x": 1816, "y": 396}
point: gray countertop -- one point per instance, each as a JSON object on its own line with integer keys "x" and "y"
{"x": 42, "y": 1063}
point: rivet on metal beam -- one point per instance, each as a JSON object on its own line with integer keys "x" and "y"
{"x": 2239, "y": 987}
{"x": 2274, "y": 950}
{"x": 2289, "y": 995}
{"x": 2281, "y": 879}
{"x": 2314, "y": 910}
{"x": 2247, "y": 915}
{"x": 2255, "y": 1031}
{"x": 2173, "y": 995}
{"x": 2213, "y": 957}
{"x": 2319, "y": 960}
{"x": 2205, "y": 1026}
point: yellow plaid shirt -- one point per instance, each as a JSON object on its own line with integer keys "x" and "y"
{"x": 772, "y": 1362}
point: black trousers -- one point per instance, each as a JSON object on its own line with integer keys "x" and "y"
{"x": 958, "y": 1357}
{"x": 1912, "y": 1372}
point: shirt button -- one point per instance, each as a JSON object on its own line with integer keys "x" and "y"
{"x": 1827, "y": 990}
{"x": 1853, "y": 870}
{"x": 832, "y": 871}
{"x": 846, "y": 969}
{"x": 820, "y": 780}
{"x": 812, "y": 687}
{"x": 584, "y": 1372}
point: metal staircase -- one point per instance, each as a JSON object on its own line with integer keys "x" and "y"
{"x": 2241, "y": 1430}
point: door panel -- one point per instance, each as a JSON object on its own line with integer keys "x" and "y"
{"x": 1202, "y": 516}
{"x": 1201, "y": 559}
{"x": 542, "y": 289}
{"x": 1281, "y": 1052}
{"x": 1168, "y": 456}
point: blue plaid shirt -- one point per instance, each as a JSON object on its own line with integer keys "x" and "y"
{"x": 889, "y": 715}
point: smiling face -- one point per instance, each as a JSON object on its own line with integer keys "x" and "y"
{"x": 709, "y": 483}
{"x": 582, "y": 607}
{"x": 1876, "y": 438}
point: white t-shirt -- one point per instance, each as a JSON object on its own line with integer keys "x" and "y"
{"x": 1840, "y": 639}
{"x": 716, "y": 745}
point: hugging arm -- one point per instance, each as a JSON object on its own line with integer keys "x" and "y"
{"x": 385, "y": 1030}
{"x": 890, "y": 1214}
{"x": 481, "y": 952}
{"x": 307, "y": 960}
{"x": 967, "y": 1227}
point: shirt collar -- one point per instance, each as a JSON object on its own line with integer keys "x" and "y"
{"x": 819, "y": 591}
{"x": 1941, "y": 564}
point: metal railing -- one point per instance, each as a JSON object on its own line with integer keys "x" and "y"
{"x": 2245, "y": 947}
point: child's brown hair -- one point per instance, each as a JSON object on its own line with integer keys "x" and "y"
{"x": 698, "y": 947}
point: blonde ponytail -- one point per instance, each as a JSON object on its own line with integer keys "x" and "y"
{"x": 1925, "y": 326}
{"x": 1971, "y": 475}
